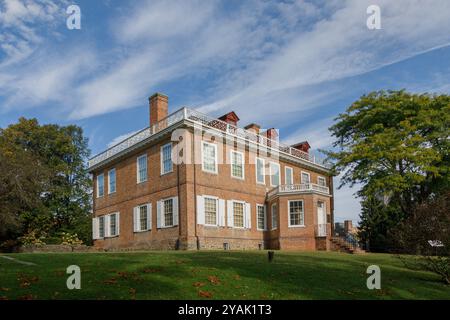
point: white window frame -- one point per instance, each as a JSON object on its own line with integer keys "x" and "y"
{"x": 242, "y": 163}
{"x": 301, "y": 177}
{"x": 98, "y": 185}
{"x": 215, "y": 171}
{"x": 289, "y": 214}
{"x": 109, "y": 181}
{"x": 257, "y": 217}
{"x": 263, "y": 170}
{"x": 217, "y": 210}
{"x": 104, "y": 226}
{"x": 271, "y": 175}
{"x": 149, "y": 217}
{"x": 243, "y": 213}
{"x": 324, "y": 179}
{"x": 162, "y": 159}
{"x": 286, "y": 169}
{"x": 117, "y": 224}
{"x": 138, "y": 168}
{"x": 162, "y": 213}
{"x": 271, "y": 216}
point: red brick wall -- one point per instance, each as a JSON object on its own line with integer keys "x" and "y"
{"x": 187, "y": 181}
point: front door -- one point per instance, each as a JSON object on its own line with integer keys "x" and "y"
{"x": 321, "y": 219}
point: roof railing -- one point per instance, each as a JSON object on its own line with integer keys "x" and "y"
{"x": 205, "y": 120}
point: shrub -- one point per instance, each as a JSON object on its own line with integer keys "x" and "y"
{"x": 70, "y": 239}
{"x": 32, "y": 238}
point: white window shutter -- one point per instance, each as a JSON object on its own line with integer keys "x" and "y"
{"x": 265, "y": 217}
{"x": 107, "y": 226}
{"x": 221, "y": 212}
{"x": 136, "y": 219}
{"x": 200, "y": 210}
{"x": 95, "y": 229}
{"x": 118, "y": 223}
{"x": 248, "y": 216}
{"x": 175, "y": 211}
{"x": 158, "y": 214}
{"x": 230, "y": 213}
{"x": 149, "y": 216}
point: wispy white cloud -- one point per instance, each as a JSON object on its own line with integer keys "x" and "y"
{"x": 120, "y": 138}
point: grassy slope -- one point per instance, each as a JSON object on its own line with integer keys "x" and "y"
{"x": 217, "y": 275}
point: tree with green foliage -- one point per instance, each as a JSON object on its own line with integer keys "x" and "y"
{"x": 396, "y": 145}
{"x": 64, "y": 194}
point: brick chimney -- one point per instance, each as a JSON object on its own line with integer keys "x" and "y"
{"x": 303, "y": 146}
{"x": 159, "y": 107}
{"x": 253, "y": 127}
{"x": 271, "y": 134}
{"x": 348, "y": 226}
{"x": 230, "y": 117}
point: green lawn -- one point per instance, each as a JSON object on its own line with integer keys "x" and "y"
{"x": 214, "y": 275}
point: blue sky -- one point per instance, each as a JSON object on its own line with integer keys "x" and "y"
{"x": 293, "y": 65}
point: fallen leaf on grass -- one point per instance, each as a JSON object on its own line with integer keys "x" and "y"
{"x": 214, "y": 280}
{"x": 110, "y": 281}
{"x": 133, "y": 293}
{"x": 27, "y": 297}
{"x": 151, "y": 270}
{"x": 237, "y": 277}
{"x": 205, "y": 294}
{"x": 4, "y": 289}
{"x": 198, "y": 284}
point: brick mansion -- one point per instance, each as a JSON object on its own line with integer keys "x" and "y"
{"x": 190, "y": 181}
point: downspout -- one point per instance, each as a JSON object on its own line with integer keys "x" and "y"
{"x": 195, "y": 191}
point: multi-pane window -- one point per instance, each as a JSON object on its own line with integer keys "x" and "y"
{"x": 274, "y": 216}
{"x": 100, "y": 185}
{"x": 101, "y": 227}
{"x": 238, "y": 214}
{"x": 112, "y": 181}
{"x": 209, "y": 162}
{"x": 261, "y": 216}
{"x": 321, "y": 181}
{"x": 296, "y": 214}
{"x": 305, "y": 177}
{"x": 274, "y": 174}
{"x": 166, "y": 158}
{"x": 142, "y": 168}
{"x": 168, "y": 212}
{"x": 288, "y": 175}
{"x": 260, "y": 177}
{"x": 210, "y": 211}
{"x": 113, "y": 224}
{"x": 237, "y": 164}
{"x": 143, "y": 214}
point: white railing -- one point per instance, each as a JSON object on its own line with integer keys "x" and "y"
{"x": 292, "y": 188}
{"x": 321, "y": 230}
{"x": 138, "y": 137}
{"x": 205, "y": 120}
{"x": 209, "y": 121}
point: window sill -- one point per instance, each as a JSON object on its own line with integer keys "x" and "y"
{"x": 167, "y": 227}
{"x": 141, "y": 182}
{"x": 210, "y": 172}
{"x": 238, "y": 178}
{"x": 110, "y": 237}
{"x": 166, "y": 173}
{"x": 297, "y": 226}
{"x": 142, "y": 231}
